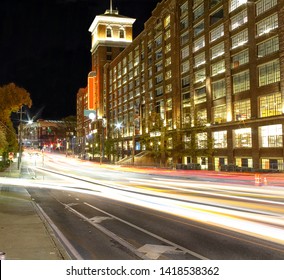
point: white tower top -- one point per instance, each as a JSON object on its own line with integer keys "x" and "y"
{"x": 111, "y": 28}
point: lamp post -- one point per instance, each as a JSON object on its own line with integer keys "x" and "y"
{"x": 20, "y": 138}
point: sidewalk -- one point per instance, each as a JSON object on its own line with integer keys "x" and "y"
{"x": 23, "y": 233}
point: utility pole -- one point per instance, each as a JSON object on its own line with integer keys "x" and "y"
{"x": 20, "y": 138}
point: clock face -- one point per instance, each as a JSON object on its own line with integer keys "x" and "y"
{"x": 92, "y": 116}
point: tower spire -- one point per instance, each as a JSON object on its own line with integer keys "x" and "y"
{"x": 110, "y": 6}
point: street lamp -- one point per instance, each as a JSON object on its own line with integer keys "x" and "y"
{"x": 20, "y": 138}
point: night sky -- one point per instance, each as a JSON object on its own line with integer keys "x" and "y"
{"x": 45, "y": 47}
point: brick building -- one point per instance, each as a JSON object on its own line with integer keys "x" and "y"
{"x": 203, "y": 83}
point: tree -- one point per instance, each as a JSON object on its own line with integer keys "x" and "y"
{"x": 3, "y": 141}
{"x": 12, "y": 98}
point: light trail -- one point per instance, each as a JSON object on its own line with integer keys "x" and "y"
{"x": 259, "y": 225}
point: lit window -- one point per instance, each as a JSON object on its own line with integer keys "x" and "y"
{"x": 168, "y": 48}
{"x": 185, "y": 52}
{"x": 201, "y": 117}
{"x": 198, "y": 12}
{"x": 184, "y": 8}
{"x": 199, "y": 28}
{"x": 197, "y": 2}
{"x": 158, "y": 41}
{"x": 241, "y": 82}
{"x": 216, "y": 33}
{"x": 218, "y": 68}
{"x": 200, "y": 76}
{"x": 266, "y": 25}
{"x": 270, "y": 105}
{"x": 272, "y": 163}
{"x": 234, "y": 4}
{"x": 264, "y": 5}
{"x": 242, "y": 110}
{"x": 201, "y": 140}
{"x": 168, "y": 61}
{"x": 269, "y": 73}
{"x": 240, "y": 59}
{"x": 242, "y": 138}
{"x": 217, "y": 50}
{"x": 200, "y": 95}
{"x": 240, "y": 39}
{"x": 271, "y": 136}
{"x": 185, "y": 66}
{"x": 167, "y": 21}
{"x": 185, "y": 81}
{"x": 219, "y": 89}
{"x": 220, "y": 114}
{"x": 199, "y": 43}
{"x": 267, "y": 47}
{"x": 239, "y": 19}
{"x": 220, "y": 139}
{"x": 199, "y": 59}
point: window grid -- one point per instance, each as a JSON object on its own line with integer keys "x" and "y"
{"x": 216, "y": 33}
{"x": 185, "y": 66}
{"x": 266, "y": 25}
{"x": 199, "y": 43}
{"x": 267, "y": 47}
{"x": 270, "y": 105}
{"x": 234, "y": 4}
{"x": 240, "y": 39}
{"x": 241, "y": 82}
{"x": 201, "y": 140}
{"x": 219, "y": 89}
{"x": 199, "y": 59}
{"x": 220, "y": 139}
{"x": 239, "y": 19}
{"x": 269, "y": 73}
{"x": 242, "y": 138}
{"x": 199, "y": 76}
{"x": 199, "y": 28}
{"x": 185, "y": 52}
{"x": 198, "y": 12}
{"x": 242, "y": 110}
{"x": 217, "y": 50}
{"x": 264, "y": 5}
{"x": 271, "y": 136}
{"x": 240, "y": 59}
{"x": 220, "y": 114}
{"x": 218, "y": 68}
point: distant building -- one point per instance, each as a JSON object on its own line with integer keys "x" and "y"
{"x": 202, "y": 84}
{"x": 48, "y": 134}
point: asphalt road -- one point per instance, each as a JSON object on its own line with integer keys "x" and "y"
{"x": 105, "y": 213}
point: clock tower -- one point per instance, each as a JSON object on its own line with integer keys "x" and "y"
{"x": 111, "y": 34}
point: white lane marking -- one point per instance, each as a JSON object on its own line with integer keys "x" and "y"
{"x": 110, "y": 234}
{"x": 63, "y": 239}
{"x": 185, "y": 250}
{"x": 99, "y": 219}
{"x": 155, "y": 251}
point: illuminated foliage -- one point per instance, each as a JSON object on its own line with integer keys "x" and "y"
{"x": 12, "y": 98}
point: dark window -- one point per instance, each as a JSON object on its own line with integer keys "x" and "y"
{"x": 108, "y": 32}
{"x": 121, "y": 33}
{"x": 216, "y": 16}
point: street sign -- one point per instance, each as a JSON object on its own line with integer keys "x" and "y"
{"x": 11, "y": 155}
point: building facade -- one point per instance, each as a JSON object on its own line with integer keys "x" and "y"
{"x": 202, "y": 84}
{"x": 49, "y": 135}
